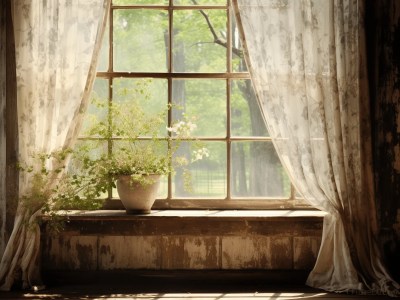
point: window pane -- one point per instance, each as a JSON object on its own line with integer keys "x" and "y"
{"x": 95, "y": 110}
{"x": 257, "y": 171}
{"x": 139, "y": 40}
{"x": 141, "y": 2}
{"x": 246, "y": 117}
{"x": 194, "y": 46}
{"x": 150, "y": 94}
{"x": 206, "y": 177}
{"x": 205, "y": 100}
{"x": 200, "y": 2}
{"x": 103, "y": 56}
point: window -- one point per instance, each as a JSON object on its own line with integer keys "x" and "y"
{"x": 190, "y": 53}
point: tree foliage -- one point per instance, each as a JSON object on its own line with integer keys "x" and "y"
{"x": 199, "y": 45}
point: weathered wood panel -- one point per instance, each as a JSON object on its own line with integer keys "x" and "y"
{"x": 173, "y": 252}
{"x": 257, "y": 252}
{"x": 305, "y": 252}
{"x": 184, "y": 243}
{"x": 69, "y": 252}
{"x": 129, "y": 252}
{"x": 190, "y": 252}
{"x": 202, "y": 253}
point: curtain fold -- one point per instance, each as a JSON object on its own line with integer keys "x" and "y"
{"x": 307, "y": 63}
{"x": 57, "y": 44}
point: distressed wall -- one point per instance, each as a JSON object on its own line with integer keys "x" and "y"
{"x": 383, "y": 38}
{"x": 181, "y": 243}
{"x": 8, "y": 125}
{"x": 2, "y": 126}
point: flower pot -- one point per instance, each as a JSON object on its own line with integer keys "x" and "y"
{"x": 136, "y": 197}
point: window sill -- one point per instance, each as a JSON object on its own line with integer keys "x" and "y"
{"x": 220, "y": 204}
{"x": 195, "y": 222}
{"x": 209, "y": 214}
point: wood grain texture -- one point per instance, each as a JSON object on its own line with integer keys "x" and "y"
{"x": 161, "y": 242}
{"x": 129, "y": 252}
{"x": 66, "y": 252}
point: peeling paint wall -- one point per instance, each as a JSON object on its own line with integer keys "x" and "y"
{"x": 383, "y": 38}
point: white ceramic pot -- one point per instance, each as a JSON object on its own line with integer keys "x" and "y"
{"x": 137, "y": 198}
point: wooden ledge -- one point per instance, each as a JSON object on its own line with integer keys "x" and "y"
{"x": 209, "y": 214}
{"x": 195, "y": 222}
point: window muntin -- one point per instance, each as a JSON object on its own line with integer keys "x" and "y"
{"x": 187, "y": 66}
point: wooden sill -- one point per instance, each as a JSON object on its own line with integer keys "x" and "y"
{"x": 194, "y": 222}
{"x": 213, "y": 214}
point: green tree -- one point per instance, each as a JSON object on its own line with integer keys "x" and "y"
{"x": 141, "y": 44}
{"x": 265, "y": 179}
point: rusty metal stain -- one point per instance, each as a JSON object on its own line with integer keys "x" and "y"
{"x": 104, "y": 249}
{"x": 85, "y": 256}
{"x": 305, "y": 252}
{"x": 246, "y": 252}
{"x": 129, "y": 252}
{"x": 172, "y": 252}
{"x": 281, "y": 253}
{"x": 201, "y": 253}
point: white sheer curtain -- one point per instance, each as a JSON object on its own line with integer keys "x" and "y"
{"x": 307, "y": 61}
{"x": 57, "y": 43}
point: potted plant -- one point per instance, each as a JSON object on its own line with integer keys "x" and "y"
{"x": 136, "y": 156}
{"x": 141, "y": 147}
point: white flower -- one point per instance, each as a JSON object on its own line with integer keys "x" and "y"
{"x": 171, "y": 129}
{"x": 199, "y": 154}
{"x": 183, "y": 129}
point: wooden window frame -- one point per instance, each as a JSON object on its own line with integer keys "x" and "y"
{"x": 229, "y": 202}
